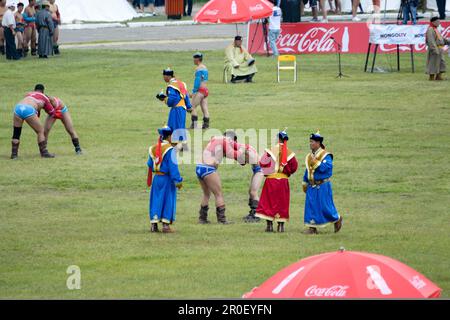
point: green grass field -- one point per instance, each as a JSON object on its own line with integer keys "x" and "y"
{"x": 389, "y": 133}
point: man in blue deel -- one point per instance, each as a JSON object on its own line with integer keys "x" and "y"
{"x": 162, "y": 161}
{"x": 319, "y": 206}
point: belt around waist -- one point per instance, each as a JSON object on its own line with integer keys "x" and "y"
{"x": 278, "y": 175}
{"x": 159, "y": 173}
{"x": 319, "y": 182}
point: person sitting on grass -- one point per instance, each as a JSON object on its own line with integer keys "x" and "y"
{"x": 162, "y": 161}
{"x": 239, "y": 62}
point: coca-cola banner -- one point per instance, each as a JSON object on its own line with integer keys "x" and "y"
{"x": 395, "y": 34}
{"x": 300, "y": 38}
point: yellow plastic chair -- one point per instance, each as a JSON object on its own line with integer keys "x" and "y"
{"x": 286, "y": 63}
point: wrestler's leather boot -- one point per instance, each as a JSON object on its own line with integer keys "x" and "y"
{"x": 439, "y": 77}
{"x": 269, "y": 227}
{"x": 2, "y": 50}
{"x": 221, "y": 218}
{"x": 56, "y": 50}
{"x": 154, "y": 228}
{"x": 25, "y": 52}
{"x": 43, "y": 150}
{"x": 76, "y": 144}
{"x": 205, "y": 123}
{"x": 253, "y": 204}
{"x": 33, "y": 52}
{"x": 166, "y": 228}
{"x": 194, "y": 120}
{"x": 431, "y": 77}
{"x": 20, "y": 52}
{"x": 280, "y": 227}
{"x": 338, "y": 225}
{"x": 203, "y": 215}
{"x": 14, "y": 150}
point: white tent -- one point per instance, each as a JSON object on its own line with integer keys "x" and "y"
{"x": 95, "y": 10}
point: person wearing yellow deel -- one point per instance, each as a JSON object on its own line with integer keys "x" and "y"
{"x": 239, "y": 62}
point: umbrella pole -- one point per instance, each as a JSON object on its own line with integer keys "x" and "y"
{"x": 236, "y": 29}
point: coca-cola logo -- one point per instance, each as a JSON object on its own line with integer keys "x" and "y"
{"x": 211, "y": 12}
{"x": 337, "y": 291}
{"x": 317, "y": 39}
{"x": 257, "y": 7}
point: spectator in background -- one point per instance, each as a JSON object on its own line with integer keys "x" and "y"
{"x": 355, "y": 5}
{"x": 423, "y": 5}
{"x": 239, "y": 62}
{"x": 9, "y": 26}
{"x": 275, "y": 27}
{"x": 148, "y": 3}
{"x": 337, "y": 9}
{"x": 2, "y": 38}
{"x": 315, "y": 9}
{"x": 410, "y": 9}
{"x": 45, "y": 29}
{"x": 20, "y": 28}
{"x": 188, "y": 4}
{"x": 56, "y": 17}
{"x": 29, "y": 15}
{"x": 441, "y": 8}
{"x": 376, "y": 6}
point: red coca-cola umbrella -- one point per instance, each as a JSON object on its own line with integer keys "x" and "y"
{"x": 347, "y": 274}
{"x": 233, "y": 11}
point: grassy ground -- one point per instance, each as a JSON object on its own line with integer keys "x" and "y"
{"x": 389, "y": 133}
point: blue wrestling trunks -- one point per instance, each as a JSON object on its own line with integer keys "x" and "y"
{"x": 65, "y": 109}
{"x": 24, "y": 111}
{"x": 203, "y": 170}
{"x": 256, "y": 169}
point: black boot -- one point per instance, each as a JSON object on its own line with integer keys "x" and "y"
{"x": 25, "y": 52}
{"x": 203, "y": 215}
{"x": 154, "y": 228}
{"x": 280, "y": 227}
{"x": 269, "y": 227}
{"x": 205, "y": 123}
{"x": 76, "y": 144}
{"x": 43, "y": 150}
{"x": 33, "y": 52}
{"x": 194, "y": 122}
{"x": 253, "y": 204}
{"x": 56, "y": 50}
{"x": 20, "y": 53}
{"x": 14, "y": 150}
{"x": 2, "y": 50}
{"x": 221, "y": 218}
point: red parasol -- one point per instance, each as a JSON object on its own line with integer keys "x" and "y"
{"x": 234, "y": 11}
{"x": 347, "y": 274}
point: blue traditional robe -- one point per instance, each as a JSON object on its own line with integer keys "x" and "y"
{"x": 163, "y": 195}
{"x": 319, "y": 206}
{"x": 178, "y": 102}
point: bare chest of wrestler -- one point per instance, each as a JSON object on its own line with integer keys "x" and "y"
{"x": 30, "y": 11}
